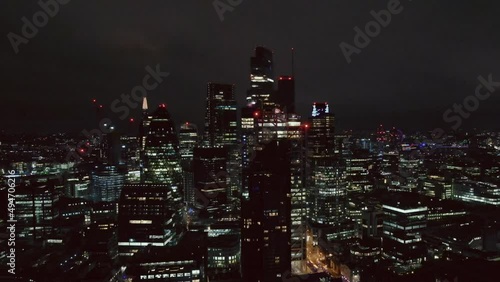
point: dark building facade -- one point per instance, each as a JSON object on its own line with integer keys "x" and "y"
{"x": 149, "y": 215}
{"x": 403, "y": 224}
{"x": 210, "y": 181}
{"x": 266, "y": 246}
{"x": 285, "y": 95}
{"x": 261, "y": 77}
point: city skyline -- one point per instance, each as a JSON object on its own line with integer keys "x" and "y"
{"x": 424, "y": 74}
{"x": 250, "y": 141}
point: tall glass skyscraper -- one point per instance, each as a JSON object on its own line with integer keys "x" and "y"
{"x": 261, "y": 77}
{"x": 321, "y": 136}
{"x": 107, "y": 182}
{"x": 188, "y": 140}
{"x": 329, "y": 194}
{"x": 161, "y": 157}
{"x": 221, "y": 129}
{"x": 221, "y": 123}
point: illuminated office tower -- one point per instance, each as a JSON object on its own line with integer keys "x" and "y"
{"x": 161, "y": 155}
{"x": 329, "y": 195}
{"x": 220, "y": 116}
{"x": 358, "y": 165}
{"x": 403, "y": 224}
{"x": 258, "y": 97}
{"x": 329, "y": 217}
{"x": 221, "y": 128}
{"x": 224, "y": 251}
{"x": 78, "y": 186}
{"x": 248, "y": 141}
{"x": 148, "y": 215}
{"x": 186, "y": 262}
{"x": 130, "y": 152}
{"x": 296, "y": 137}
{"x": 107, "y": 182}
{"x": 188, "y": 140}
{"x": 36, "y": 211}
{"x": 321, "y": 135}
{"x": 321, "y": 162}
{"x": 266, "y": 230}
{"x": 261, "y": 77}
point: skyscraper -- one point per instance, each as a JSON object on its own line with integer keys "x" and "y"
{"x": 285, "y": 95}
{"x": 261, "y": 77}
{"x": 210, "y": 180}
{"x": 221, "y": 129}
{"x": 329, "y": 195}
{"x": 144, "y": 125}
{"x": 266, "y": 230}
{"x": 161, "y": 157}
{"x": 107, "y": 182}
{"x": 272, "y": 124}
{"x": 404, "y": 221}
{"x": 36, "y": 209}
{"x": 248, "y": 142}
{"x": 188, "y": 140}
{"x": 266, "y": 118}
{"x": 321, "y": 136}
{"x": 221, "y": 121}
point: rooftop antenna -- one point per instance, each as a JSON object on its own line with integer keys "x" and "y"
{"x": 293, "y": 63}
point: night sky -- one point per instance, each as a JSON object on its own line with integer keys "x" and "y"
{"x": 426, "y": 59}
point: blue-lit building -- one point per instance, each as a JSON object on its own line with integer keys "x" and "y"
{"x": 107, "y": 182}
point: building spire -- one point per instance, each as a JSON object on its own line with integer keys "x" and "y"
{"x": 144, "y": 104}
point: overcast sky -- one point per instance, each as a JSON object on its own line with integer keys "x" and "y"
{"x": 424, "y": 61}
